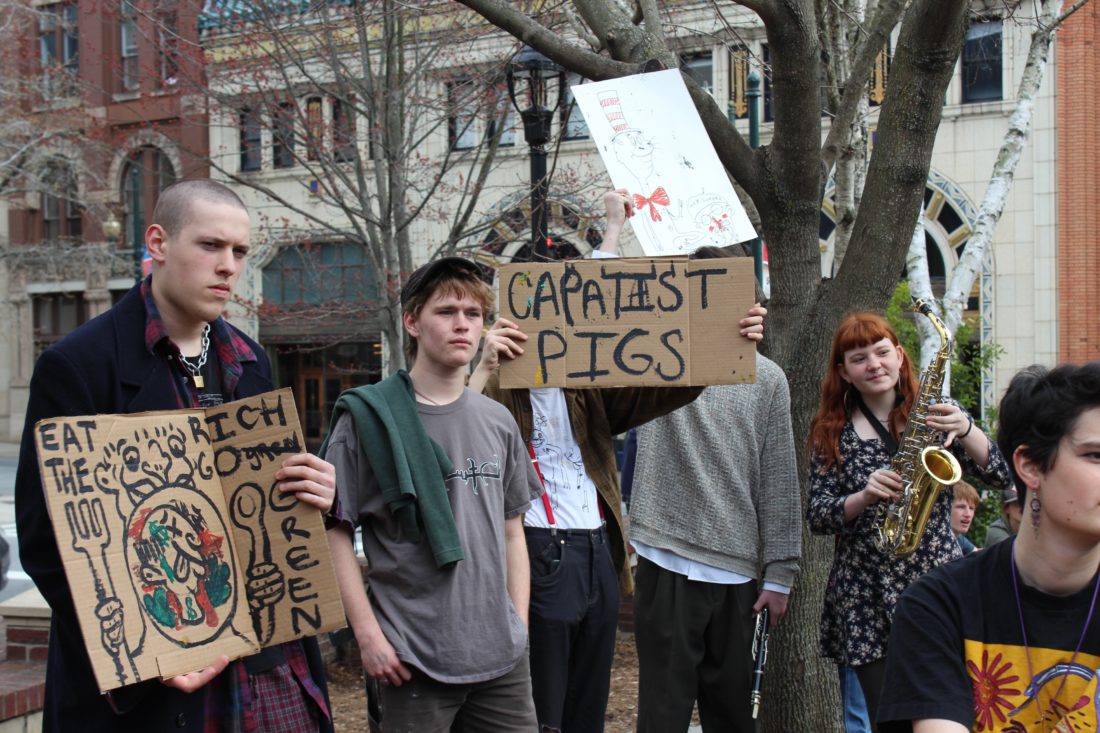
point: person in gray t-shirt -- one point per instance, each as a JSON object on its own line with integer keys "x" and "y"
{"x": 456, "y": 625}
{"x": 443, "y": 645}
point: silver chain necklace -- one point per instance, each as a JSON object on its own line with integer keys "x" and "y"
{"x": 196, "y": 369}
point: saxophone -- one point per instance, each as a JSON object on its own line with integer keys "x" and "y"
{"x": 924, "y": 466}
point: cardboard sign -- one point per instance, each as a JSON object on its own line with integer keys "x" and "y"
{"x": 177, "y": 544}
{"x": 629, "y": 322}
{"x": 654, "y": 145}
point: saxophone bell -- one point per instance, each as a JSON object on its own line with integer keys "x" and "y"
{"x": 941, "y": 465}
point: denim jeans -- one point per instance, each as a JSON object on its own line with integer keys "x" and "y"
{"x": 855, "y": 707}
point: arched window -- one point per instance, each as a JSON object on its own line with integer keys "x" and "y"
{"x": 573, "y": 232}
{"x": 146, "y": 173}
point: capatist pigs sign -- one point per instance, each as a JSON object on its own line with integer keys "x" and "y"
{"x": 629, "y": 322}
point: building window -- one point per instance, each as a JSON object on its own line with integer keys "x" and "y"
{"x": 251, "y": 152}
{"x": 343, "y": 130}
{"x": 55, "y": 316}
{"x": 700, "y": 67}
{"x": 313, "y": 274}
{"x": 60, "y": 218}
{"x": 168, "y": 46}
{"x": 503, "y": 114}
{"x": 282, "y": 137}
{"x": 58, "y": 48}
{"x": 572, "y": 121}
{"x": 58, "y": 207}
{"x": 475, "y": 111}
{"x": 981, "y": 63}
{"x": 130, "y": 77}
{"x": 462, "y": 122}
{"x": 315, "y": 127}
{"x": 147, "y": 172}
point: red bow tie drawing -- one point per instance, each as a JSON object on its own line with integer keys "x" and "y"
{"x": 657, "y": 198}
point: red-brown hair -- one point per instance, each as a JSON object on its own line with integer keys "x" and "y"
{"x": 838, "y": 398}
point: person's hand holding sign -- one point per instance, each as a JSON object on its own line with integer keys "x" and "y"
{"x": 311, "y": 479}
{"x": 619, "y": 205}
{"x": 752, "y": 325}
{"x": 193, "y": 681}
{"x": 502, "y": 341}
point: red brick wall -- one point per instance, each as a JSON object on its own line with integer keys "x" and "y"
{"x": 109, "y": 131}
{"x": 1078, "y": 108}
{"x": 23, "y": 673}
{"x": 27, "y": 645}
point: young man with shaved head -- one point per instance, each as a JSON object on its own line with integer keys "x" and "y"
{"x": 165, "y": 346}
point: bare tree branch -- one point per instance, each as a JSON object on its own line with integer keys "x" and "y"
{"x": 586, "y": 63}
{"x": 855, "y": 85}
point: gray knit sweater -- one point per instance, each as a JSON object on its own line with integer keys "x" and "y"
{"x": 716, "y": 482}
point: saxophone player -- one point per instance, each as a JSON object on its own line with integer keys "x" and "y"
{"x": 868, "y": 396}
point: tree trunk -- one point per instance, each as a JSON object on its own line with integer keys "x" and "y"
{"x": 931, "y": 38}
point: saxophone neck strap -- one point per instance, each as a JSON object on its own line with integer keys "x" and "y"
{"x": 883, "y": 433}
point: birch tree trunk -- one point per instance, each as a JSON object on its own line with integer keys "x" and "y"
{"x": 1004, "y": 170}
{"x": 850, "y": 168}
{"x": 920, "y": 286}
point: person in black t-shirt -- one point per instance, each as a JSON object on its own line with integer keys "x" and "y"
{"x": 1007, "y": 639}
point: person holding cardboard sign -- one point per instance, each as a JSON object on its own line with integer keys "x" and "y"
{"x": 437, "y": 478}
{"x": 718, "y": 549}
{"x": 164, "y": 346}
{"x": 575, "y": 534}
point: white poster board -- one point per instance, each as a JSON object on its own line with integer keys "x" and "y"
{"x": 654, "y": 145}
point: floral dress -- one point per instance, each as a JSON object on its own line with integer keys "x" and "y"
{"x": 865, "y": 583}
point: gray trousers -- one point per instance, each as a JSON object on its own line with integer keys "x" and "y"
{"x": 423, "y": 705}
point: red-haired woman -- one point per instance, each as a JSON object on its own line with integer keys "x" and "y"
{"x": 866, "y": 399}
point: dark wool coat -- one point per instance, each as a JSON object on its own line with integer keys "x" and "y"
{"x": 104, "y": 368}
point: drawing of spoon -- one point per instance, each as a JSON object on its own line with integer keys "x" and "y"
{"x": 246, "y": 509}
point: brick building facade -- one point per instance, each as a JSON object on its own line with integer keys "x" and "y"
{"x": 115, "y": 85}
{"x": 1078, "y": 80}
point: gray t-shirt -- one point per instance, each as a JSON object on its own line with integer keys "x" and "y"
{"x": 457, "y": 625}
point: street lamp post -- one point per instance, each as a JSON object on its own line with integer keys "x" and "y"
{"x": 529, "y": 74}
{"x": 752, "y": 97}
{"x": 752, "y": 94}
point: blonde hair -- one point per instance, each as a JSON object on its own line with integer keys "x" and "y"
{"x": 967, "y": 493}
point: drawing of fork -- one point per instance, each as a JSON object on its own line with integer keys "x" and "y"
{"x": 87, "y": 522}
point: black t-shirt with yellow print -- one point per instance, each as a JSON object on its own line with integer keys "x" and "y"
{"x": 957, "y": 652}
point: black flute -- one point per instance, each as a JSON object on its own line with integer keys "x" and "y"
{"x": 760, "y": 658}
